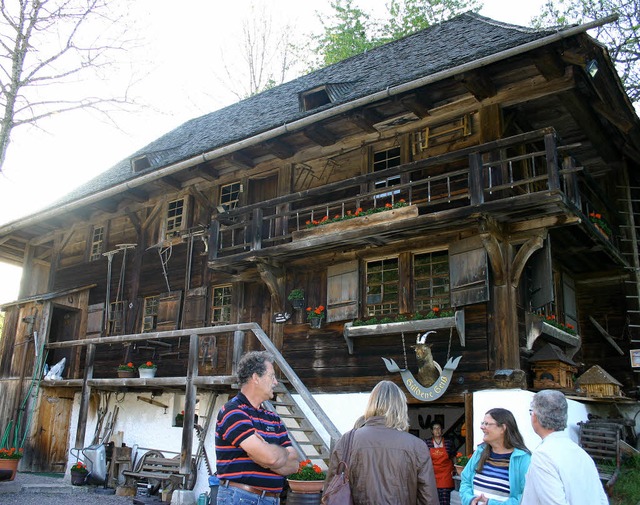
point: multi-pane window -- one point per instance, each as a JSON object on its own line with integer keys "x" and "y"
{"x": 175, "y": 216}
{"x": 221, "y": 304}
{"x": 230, "y": 194}
{"x": 97, "y": 243}
{"x": 382, "y": 287}
{"x": 382, "y": 160}
{"x": 150, "y": 313}
{"x": 431, "y": 281}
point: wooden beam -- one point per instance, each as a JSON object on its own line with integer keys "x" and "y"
{"x": 207, "y": 173}
{"x": 320, "y": 135}
{"x": 279, "y": 148}
{"x": 241, "y": 161}
{"x": 365, "y": 119}
{"x": 274, "y": 277}
{"x": 190, "y": 397}
{"x": 85, "y": 397}
{"x": 419, "y": 104}
{"x": 136, "y": 194}
{"x": 478, "y": 83}
{"x": 108, "y": 206}
{"x": 171, "y": 181}
{"x": 548, "y": 63}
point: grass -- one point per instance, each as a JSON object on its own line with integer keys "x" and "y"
{"x": 626, "y": 490}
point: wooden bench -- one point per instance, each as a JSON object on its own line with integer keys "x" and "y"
{"x": 601, "y": 440}
{"x": 160, "y": 472}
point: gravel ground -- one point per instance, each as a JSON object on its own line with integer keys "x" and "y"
{"x": 18, "y": 492}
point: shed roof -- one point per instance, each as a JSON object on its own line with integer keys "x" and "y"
{"x": 597, "y": 375}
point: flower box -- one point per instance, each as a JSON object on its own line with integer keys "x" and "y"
{"x": 536, "y": 326}
{"x": 398, "y": 214}
{"x": 456, "y": 321}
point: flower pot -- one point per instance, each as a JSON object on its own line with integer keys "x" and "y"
{"x": 126, "y": 374}
{"x": 315, "y": 322}
{"x": 78, "y": 478}
{"x": 306, "y": 486}
{"x": 459, "y": 469}
{"x": 147, "y": 373}
{"x": 8, "y": 467}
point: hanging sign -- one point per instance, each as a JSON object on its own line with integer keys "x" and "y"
{"x": 417, "y": 390}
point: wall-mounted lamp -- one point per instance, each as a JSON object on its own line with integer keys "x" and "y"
{"x": 592, "y": 68}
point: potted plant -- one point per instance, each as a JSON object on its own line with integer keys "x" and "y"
{"x": 126, "y": 370}
{"x": 296, "y": 297}
{"x": 316, "y": 315}
{"x": 461, "y": 461}
{"x": 147, "y": 370}
{"x": 9, "y": 459}
{"x": 79, "y": 473}
{"x": 180, "y": 419}
{"x": 308, "y": 479}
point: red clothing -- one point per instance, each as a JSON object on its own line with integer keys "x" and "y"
{"x": 442, "y": 464}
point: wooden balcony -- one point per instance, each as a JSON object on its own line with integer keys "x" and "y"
{"x": 525, "y": 177}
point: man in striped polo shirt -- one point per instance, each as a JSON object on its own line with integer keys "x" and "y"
{"x": 253, "y": 449}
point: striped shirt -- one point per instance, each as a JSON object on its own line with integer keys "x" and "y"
{"x": 237, "y": 421}
{"x": 493, "y": 479}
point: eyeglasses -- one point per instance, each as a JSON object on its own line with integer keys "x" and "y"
{"x": 483, "y": 424}
{"x": 530, "y": 411}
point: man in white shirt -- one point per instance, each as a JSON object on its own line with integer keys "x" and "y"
{"x": 561, "y": 472}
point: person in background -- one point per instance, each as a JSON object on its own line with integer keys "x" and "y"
{"x": 561, "y": 472}
{"x": 495, "y": 473}
{"x": 442, "y": 454}
{"x": 388, "y": 466}
{"x": 253, "y": 449}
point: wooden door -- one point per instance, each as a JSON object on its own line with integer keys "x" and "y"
{"x": 51, "y": 430}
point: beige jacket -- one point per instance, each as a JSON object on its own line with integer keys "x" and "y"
{"x": 387, "y": 467}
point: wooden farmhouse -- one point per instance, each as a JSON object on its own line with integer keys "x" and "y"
{"x": 477, "y": 180}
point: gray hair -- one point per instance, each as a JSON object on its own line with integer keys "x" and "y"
{"x": 253, "y": 362}
{"x": 388, "y": 400}
{"x": 551, "y": 408}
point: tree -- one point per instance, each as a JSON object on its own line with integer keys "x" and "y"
{"x": 49, "y": 49}
{"x": 621, "y": 37}
{"x": 267, "y": 55}
{"x": 351, "y": 31}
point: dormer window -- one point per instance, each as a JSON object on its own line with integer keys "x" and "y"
{"x": 314, "y": 98}
{"x": 140, "y": 163}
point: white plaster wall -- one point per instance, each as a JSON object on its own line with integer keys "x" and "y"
{"x": 519, "y": 402}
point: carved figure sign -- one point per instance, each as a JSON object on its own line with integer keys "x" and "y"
{"x": 417, "y": 390}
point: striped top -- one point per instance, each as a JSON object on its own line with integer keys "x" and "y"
{"x": 493, "y": 479}
{"x": 237, "y": 421}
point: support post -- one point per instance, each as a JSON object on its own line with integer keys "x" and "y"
{"x": 84, "y": 399}
{"x": 189, "y": 406}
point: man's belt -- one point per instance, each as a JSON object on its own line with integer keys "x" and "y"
{"x": 249, "y": 489}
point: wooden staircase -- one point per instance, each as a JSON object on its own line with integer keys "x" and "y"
{"x": 305, "y": 437}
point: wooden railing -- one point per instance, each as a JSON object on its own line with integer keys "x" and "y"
{"x": 521, "y": 165}
{"x": 190, "y": 380}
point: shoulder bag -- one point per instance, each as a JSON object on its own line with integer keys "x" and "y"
{"x": 338, "y": 490}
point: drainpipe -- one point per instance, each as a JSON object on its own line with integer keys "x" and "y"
{"x": 299, "y": 124}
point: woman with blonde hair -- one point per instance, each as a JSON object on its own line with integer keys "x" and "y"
{"x": 387, "y": 465}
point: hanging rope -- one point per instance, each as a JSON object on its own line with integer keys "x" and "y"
{"x": 404, "y": 351}
{"x": 449, "y": 348}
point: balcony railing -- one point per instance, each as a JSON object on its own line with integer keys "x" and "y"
{"x": 517, "y": 166}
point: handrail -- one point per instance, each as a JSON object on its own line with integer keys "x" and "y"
{"x": 258, "y": 332}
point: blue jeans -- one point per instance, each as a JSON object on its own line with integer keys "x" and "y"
{"x": 234, "y": 496}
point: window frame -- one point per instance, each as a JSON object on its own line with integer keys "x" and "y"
{"x": 91, "y": 256}
{"x": 228, "y": 307}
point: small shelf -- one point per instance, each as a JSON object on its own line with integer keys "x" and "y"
{"x": 456, "y": 321}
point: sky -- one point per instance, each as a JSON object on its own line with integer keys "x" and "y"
{"x": 177, "y": 65}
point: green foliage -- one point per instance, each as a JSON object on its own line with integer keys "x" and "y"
{"x": 621, "y": 37}
{"x": 351, "y": 30}
{"x": 627, "y": 487}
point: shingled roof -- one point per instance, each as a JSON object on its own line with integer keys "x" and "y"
{"x": 461, "y": 40}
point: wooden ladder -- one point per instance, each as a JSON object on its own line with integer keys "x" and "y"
{"x": 304, "y": 436}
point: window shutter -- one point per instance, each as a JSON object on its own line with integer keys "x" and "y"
{"x": 195, "y": 308}
{"x": 541, "y": 277}
{"x": 569, "y": 299}
{"x": 342, "y": 291}
{"x": 95, "y": 320}
{"x": 468, "y": 272}
{"x": 169, "y": 311}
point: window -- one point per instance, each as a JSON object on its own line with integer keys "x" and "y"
{"x": 314, "y": 98}
{"x": 150, "y": 311}
{"x": 175, "y": 216}
{"x": 382, "y": 160}
{"x": 221, "y": 305}
{"x": 431, "y": 281}
{"x": 382, "y": 287}
{"x": 230, "y": 195}
{"x": 97, "y": 243}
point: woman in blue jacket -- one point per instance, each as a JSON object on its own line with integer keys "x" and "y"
{"x": 495, "y": 473}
